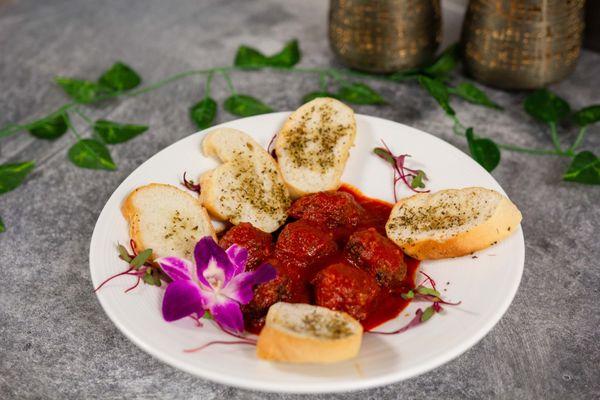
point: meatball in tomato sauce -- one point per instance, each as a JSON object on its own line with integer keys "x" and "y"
{"x": 285, "y": 287}
{"x": 259, "y": 244}
{"x": 379, "y": 256}
{"x": 343, "y": 287}
{"x": 337, "y": 211}
{"x": 303, "y": 244}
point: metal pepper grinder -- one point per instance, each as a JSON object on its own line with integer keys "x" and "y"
{"x": 384, "y": 35}
{"x": 522, "y": 44}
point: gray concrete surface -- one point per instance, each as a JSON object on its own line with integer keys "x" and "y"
{"x": 55, "y": 340}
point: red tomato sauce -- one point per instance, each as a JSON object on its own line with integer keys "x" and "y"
{"x": 331, "y": 252}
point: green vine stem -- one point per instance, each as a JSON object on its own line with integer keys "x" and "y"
{"x": 337, "y": 74}
{"x": 207, "y": 84}
{"x": 554, "y": 137}
{"x": 578, "y": 140}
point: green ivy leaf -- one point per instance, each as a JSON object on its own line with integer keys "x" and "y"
{"x": 545, "y": 106}
{"x": 439, "y": 91}
{"x": 116, "y": 132}
{"x": 249, "y": 57}
{"x": 80, "y": 90}
{"x": 587, "y": 116}
{"x": 120, "y": 77}
{"x": 585, "y": 168}
{"x": 92, "y": 154}
{"x": 473, "y": 94}
{"x": 203, "y": 113}
{"x": 314, "y": 95}
{"x": 245, "y": 106}
{"x": 445, "y": 63}
{"x": 2, "y": 227}
{"x": 51, "y": 127}
{"x": 288, "y": 57}
{"x": 12, "y": 175}
{"x": 484, "y": 151}
{"x": 428, "y": 313}
{"x": 359, "y": 93}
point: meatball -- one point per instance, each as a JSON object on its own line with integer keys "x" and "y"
{"x": 259, "y": 244}
{"x": 303, "y": 244}
{"x": 338, "y": 211}
{"x": 378, "y": 255}
{"x": 346, "y": 288}
{"x": 283, "y": 288}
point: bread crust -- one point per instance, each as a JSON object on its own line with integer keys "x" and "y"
{"x": 296, "y": 189}
{"x": 502, "y": 223}
{"x": 278, "y": 343}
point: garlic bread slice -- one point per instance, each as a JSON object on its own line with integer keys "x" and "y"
{"x": 247, "y": 186}
{"x": 166, "y": 219}
{"x": 451, "y": 223}
{"x": 303, "y": 333}
{"x": 314, "y": 144}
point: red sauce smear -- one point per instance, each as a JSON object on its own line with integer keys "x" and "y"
{"x": 389, "y": 305}
{"x": 320, "y": 260}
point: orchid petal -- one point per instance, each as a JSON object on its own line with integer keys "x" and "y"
{"x": 181, "y": 299}
{"x": 238, "y": 256}
{"x": 240, "y": 288}
{"x": 176, "y": 268}
{"x": 228, "y": 315}
{"x": 213, "y": 266}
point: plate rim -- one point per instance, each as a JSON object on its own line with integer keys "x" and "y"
{"x": 317, "y": 387}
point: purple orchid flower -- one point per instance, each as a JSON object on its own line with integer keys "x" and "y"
{"x": 222, "y": 284}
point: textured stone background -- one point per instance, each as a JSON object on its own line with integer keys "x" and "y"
{"x": 56, "y": 342}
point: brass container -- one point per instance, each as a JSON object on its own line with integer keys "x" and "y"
{"x": 384, "y": 35}
{"x": 522, "y": 44}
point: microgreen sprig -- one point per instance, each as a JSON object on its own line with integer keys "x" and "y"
{"x": 190, "y": 185}
{"x": 421, "y": 293}
{"x": 412, "y": 178}
{"x": 140, "y": 266}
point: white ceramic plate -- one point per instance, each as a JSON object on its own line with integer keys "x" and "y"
{"x": 486, "y": 285}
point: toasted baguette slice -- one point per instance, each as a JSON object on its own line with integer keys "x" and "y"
{"x": 248, "y": 186}
{"x": 303, "y": 333}
{"x": 314, "y": 144}
{"x": 165, "y": 219}
{"x": 451, "y": 223}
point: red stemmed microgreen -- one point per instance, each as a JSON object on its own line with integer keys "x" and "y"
{"x": 422, "y": 293}
{"x": 140, "y": 266}
{"x": 412, "y": 178}
{"x": 189, "y": 184}
{"x": 242, "y": 340}
{"x": 271, "y": 147}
